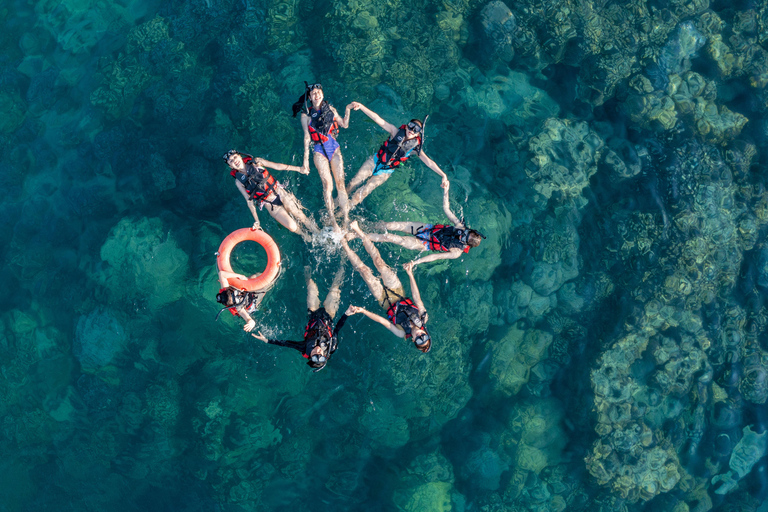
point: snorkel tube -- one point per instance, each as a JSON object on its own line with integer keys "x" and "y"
{"x": 423, "y": 133}
{"x": 235, "y": 304}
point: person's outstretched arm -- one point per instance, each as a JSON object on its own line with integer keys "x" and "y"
{"x": 339, "y": 325}
{"x": 447, "y": 210}
{"x": 307, "y": 141}
{"x": 250, "y": 323}
{"x": 450, "y": 255}
{"x": 415, "y": 295}
{"x": 298, "y": 345}
{"x": 432, "y": 165}
{"x": 342, "y": 121}
{"x": 341, "y": 321}
{"x": 376, "y": 118}
{"x": 394, "y": 329}
{"x": 225, "y": 276}
{"x": 251, "y": 205}
{"x": 280, "y": 167}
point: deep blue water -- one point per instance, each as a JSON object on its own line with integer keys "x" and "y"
{"x": 603, "y": 349}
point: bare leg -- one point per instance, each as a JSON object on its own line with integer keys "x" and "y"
{"x": 324, "y": 170}
{"x": 365, "y": 172}
{"x": 333, "y": 298}
{"x": 337, "y": 166}
{"x": 313, "y": 296}
{"x": 366, "y": 189}
{"x": 292, "y": 206}
{"x": 406, "y": 227}
{"x": 388, "y": 276}
{"x": 283, "y": 217}
{"x": 409, "y": 242}
{"x": 365, "y": 272}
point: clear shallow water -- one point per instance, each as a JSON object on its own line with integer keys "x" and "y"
{"x": 603, "y": 349}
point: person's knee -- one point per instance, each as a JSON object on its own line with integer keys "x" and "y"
{"x": 290, "y": 224}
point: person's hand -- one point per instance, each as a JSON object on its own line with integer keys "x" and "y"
{"x": 445, "y": 184}
{"x": 250, "y": 325}
{"x": 260, "y": 337}
{"x": 352, "y": 310}
{"x": 256, "y": 225}
{"x": 355, "y": 105}
{"x": 304, "y": 169}
{"x": 408, "y": 267}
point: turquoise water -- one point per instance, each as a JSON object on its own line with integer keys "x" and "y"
{"x": 604, "y": 348}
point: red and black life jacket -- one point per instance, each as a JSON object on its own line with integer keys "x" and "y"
{"x": 247, "y": 300}
{"x": 402, "y": 306}
{"x": 397, "y": 149}
{"x": 321, "y": 123}
{"x": 257, "y": 181}
{"x": 320, "y": 324}
{"x": 443, "y": 238}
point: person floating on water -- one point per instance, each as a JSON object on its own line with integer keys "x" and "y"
{"x": 402, "y": 143}
{"x": 447, "y": 241}
{"x": 406, "y": 318}
{"x": 320, "y": 123}
{"x": 320, "y": 337}
{"x": 239, "y": 302}
{"x": 258, "y": 186}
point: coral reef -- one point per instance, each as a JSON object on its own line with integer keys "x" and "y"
{"x": 144, "y": 263}
{"x": 564, "y": 156}
{"x": 99, "y": 340}
{"x": 157, "y": 66}
{"x": 602, "y": 349}
{"x": 428, "y": 485}
{"x": 261, "y": 111}
{"x": 514, "y": 355}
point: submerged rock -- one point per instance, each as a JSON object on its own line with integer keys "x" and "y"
{"x": 513, "y": 357}
{"x": 500, "y": 26}
{"x": 564, "y": 158}
{"x": 99, "y": 340}
{"x": 143, "y": 262}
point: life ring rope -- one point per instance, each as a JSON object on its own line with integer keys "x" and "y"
{"x": 270, "y": 273}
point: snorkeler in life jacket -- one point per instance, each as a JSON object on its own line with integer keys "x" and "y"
{"x": 406, "y": 317}
{"x": 398, "y": 148}
{"x": 259, "y": 187}
{"x": 239, "y": 302}
{"x": 320, "y": 123}
{"x": 320, "y": 336}
{"x": 402, "y": 143}
{"x": 406, "y": 314}
{"x": 447, "y": 241}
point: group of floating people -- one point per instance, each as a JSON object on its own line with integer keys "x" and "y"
{"x": 406, "y": 316}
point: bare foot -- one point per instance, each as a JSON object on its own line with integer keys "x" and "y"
{"x": 354, "y": 226}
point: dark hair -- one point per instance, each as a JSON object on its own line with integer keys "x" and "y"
{"x": 418, "y": 122}
{"x": 299, "y": 105}
{"x": 474, "y": 238}
{"x": 225, "y": 298}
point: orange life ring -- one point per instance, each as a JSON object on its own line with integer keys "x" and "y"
{"x": 270, "y": 273}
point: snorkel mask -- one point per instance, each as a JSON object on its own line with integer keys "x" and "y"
{"x": 469, "y": 229}
{"x": 423, "y": 339}
{"x": 320, "y": 359}
{"x": 229, "y": 299}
